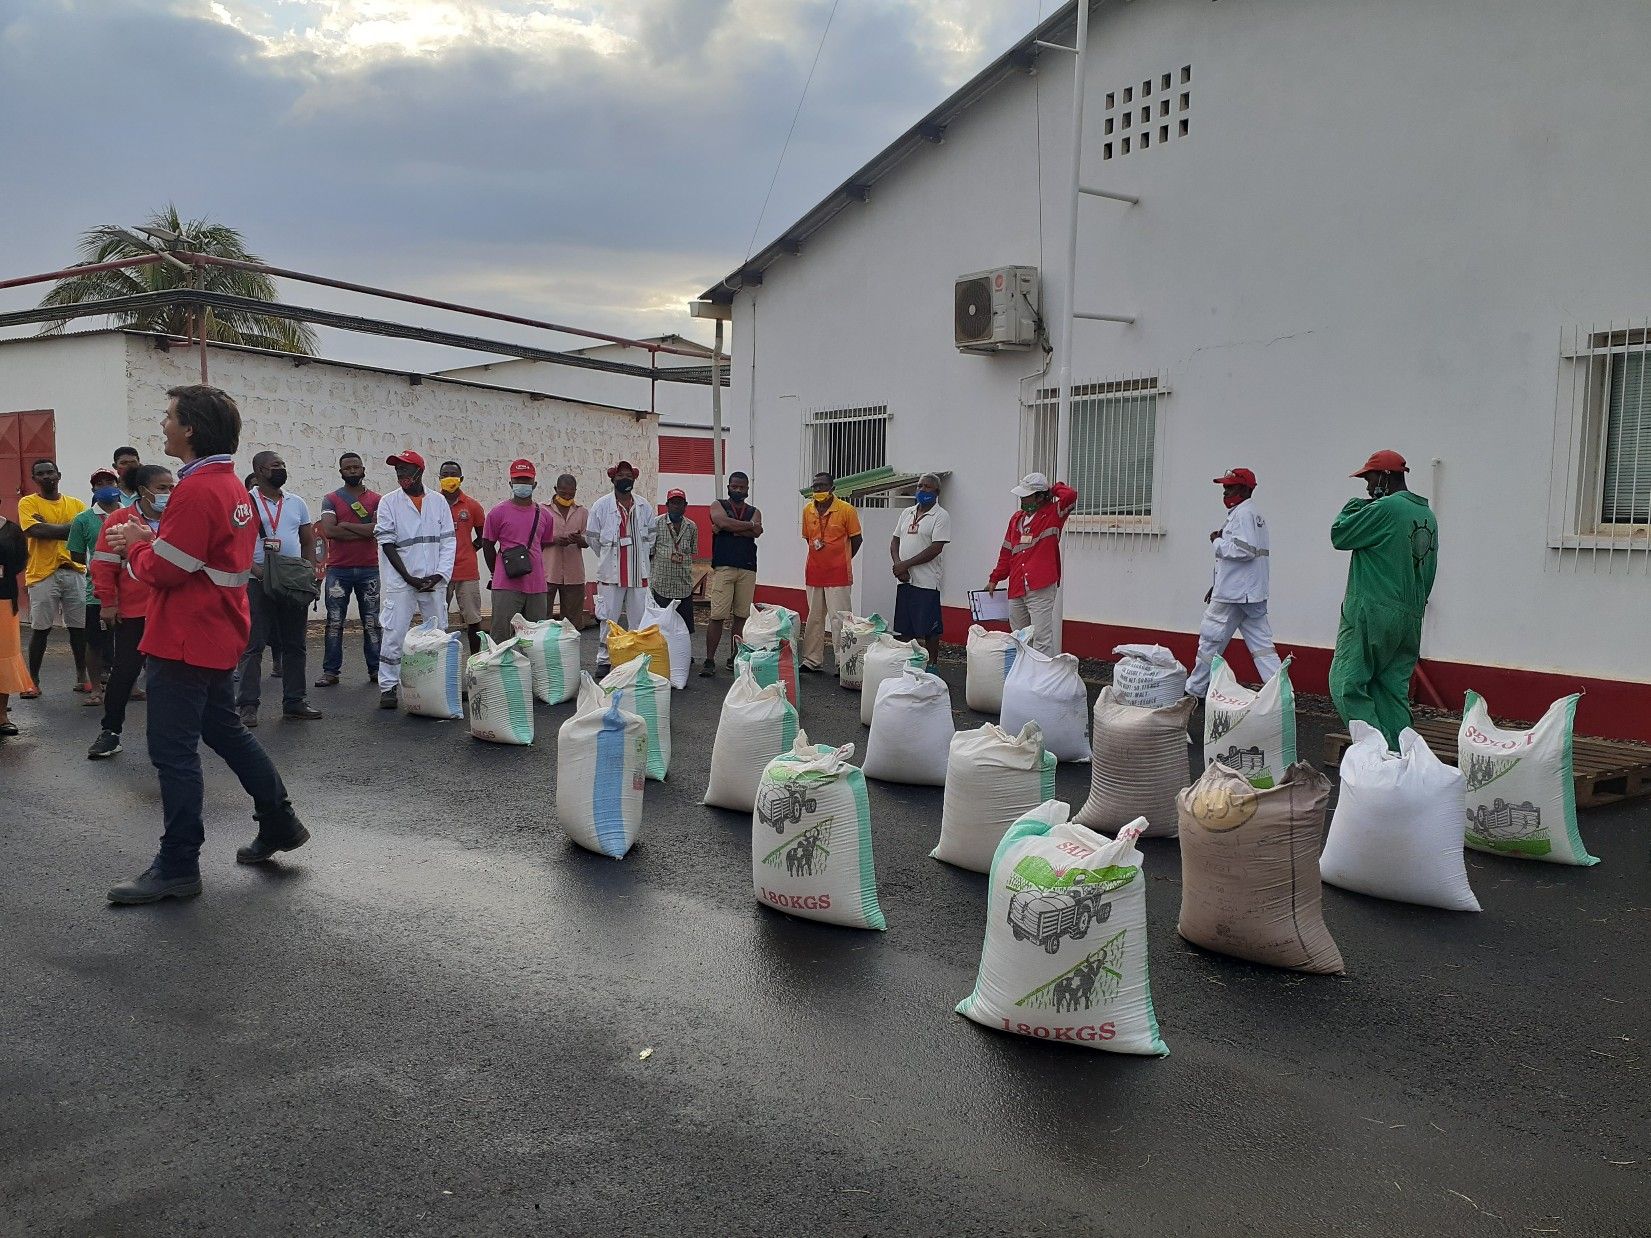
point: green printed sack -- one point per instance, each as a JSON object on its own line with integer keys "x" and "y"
{"x": 649, "y": 696}
{"x": 552, "y": 648}
{"x": 500, "y": 682}
{"x": 1521, "y": 794}
{"x": 1065, "y": 956}
{"x": 1251, "y": 732}
{"x": 811, "y": 838}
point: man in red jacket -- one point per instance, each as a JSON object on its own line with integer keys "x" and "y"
{"x": 196, "y": 564}
{"x": 1030, "y": 559}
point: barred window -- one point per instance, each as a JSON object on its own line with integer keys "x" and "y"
{"x": 1110, "y": 456}
{"x": 845, "y": 442}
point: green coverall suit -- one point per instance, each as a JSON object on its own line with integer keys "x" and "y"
{"x": 1395, "y": 545}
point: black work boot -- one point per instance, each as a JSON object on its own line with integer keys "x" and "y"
{"x": 154, "y": 885}
{"x": 279, "y": 829}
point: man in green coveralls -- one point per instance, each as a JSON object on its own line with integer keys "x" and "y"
{"x": 1395, "y": 543}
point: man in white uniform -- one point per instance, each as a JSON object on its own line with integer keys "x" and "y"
{"x": 621, "y": 530}
{"x": 416, "y": 546}
{"x": 1237, "y": 601}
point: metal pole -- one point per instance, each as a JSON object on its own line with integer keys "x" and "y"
{"x": 144, "y": 260}
{"x": 716, "y": 410}
{"x": 1063, "y": 417}
{"x": 200, "y": 321}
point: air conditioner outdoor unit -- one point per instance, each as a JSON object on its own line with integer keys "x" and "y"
{"x": 996, "y": 310}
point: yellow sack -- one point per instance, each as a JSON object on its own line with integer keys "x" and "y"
{"x": 623, "y": 646}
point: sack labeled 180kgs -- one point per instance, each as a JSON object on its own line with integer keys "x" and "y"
{"x": 1251, "y": 732}
{"x": 993, "y": 779}
{"x": 911, "y": 730}
{"x": 853, "y": 638}
{"x": 811, "y": 838}
{"x": 886, "y": 658}
{"x": 1397, "y": 829}
{"x": 1048, "y": 690}
{"x": 500, "y": 682}
{"x": 552, "y": 648}
{"x": 601, "y": 765}
{"x": 649, "y": 696}
{"x": 1520, "y": 794}
{"x": 989, "y": 658}
{"x": 1065, "y": 956}
{"x": 757, "y": 725}
{"x": 432, "y": 664}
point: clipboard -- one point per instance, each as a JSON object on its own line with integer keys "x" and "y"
{"x": 989, "y": 607}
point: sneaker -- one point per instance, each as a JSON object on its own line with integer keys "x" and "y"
{"x": 709, "y": 670}
{"x": 105, "y": 745}
{"x": 249, "y": 716}
{"x": 387, "y": 699}
{"x": 301, "y": 713}
{"x": 152, "y": 885}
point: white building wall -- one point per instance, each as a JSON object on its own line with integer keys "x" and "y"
{"x": 81, "y": 379}
{"x": 1379, "y": 223}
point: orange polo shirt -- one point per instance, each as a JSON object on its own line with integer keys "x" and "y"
{"x": 830, "y": 557}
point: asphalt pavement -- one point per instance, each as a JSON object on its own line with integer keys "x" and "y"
{"x": 441, "y": 1017}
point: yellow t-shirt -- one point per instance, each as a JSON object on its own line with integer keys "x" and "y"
{"x": 46, "y": 555}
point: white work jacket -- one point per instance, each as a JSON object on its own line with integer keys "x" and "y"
{"x": 424, "y": 537}
{"x": 1241, "y": 556}
{"x": 608, "y": 526}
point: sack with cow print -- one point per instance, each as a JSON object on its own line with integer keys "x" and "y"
{"x": 1065, "y": 956}
{"x": 1250, "y": 868}
{"x": 1147, "y": 676}
{"x": 811, "y": 838}
{"x": 993, "y": 779}
{"x": 1520, "y": 794}
{"x": 854, "y": 637}
{"x": 1251, "y": 732}
{"x": 500, "y": 682}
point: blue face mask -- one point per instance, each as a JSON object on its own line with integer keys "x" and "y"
{"x": 106, "y": 494}
{"x": 521, "y": 489}
{"x": 159, "y": 501}
{"x": 925, "y": 497}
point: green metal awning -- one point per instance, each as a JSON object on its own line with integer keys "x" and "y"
{"x": 877, "y": 481}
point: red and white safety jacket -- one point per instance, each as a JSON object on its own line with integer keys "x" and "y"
{"x": 118, "y": 591}
{"x": 1031, "y": 554}
{"x": 197, "y": 568}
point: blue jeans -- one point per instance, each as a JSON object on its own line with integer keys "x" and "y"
{"x": 189, "y": 704}
{"x": 340, "y": 583}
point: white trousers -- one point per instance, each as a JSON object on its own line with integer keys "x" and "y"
{"x": 1221, "y": 621}
{"x": 613, "y": 601}
{"x": 1036, "y": 609}
{"x": 397, "y": 605}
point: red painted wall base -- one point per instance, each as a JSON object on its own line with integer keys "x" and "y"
{"x": 1611, "y": 709}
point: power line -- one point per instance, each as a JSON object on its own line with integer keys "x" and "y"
{"x": 752, "y": 243}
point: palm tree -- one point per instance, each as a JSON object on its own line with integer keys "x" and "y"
{"x": 108, "y": 243}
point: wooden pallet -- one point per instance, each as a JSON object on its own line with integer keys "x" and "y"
{"x": 1605, "y": 771}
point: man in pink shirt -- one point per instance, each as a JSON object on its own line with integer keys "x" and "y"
{"x": 565, "y": 559}
{"x": 514, "y": 536}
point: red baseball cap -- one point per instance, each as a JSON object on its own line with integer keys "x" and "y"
{"x": 1237, "y": 477}
{"x": 405, "y": 457}
{"x": 623, "y": 464}
{"x": 523, "y": 468}
{"x": 1385, "y": 461}
{"x": 675, "y": 494}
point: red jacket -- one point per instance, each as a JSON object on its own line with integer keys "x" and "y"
{"x": 118, "y": 591}
{"x": 1031, "y": 554}
{"x": 198, "y": 566}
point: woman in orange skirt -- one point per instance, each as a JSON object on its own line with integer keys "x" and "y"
{"x": 14, "y": 672}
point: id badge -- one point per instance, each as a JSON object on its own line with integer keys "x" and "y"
{"x": 676, "y": 556}
{"x": 1025, "y": 540}
{"x": 624, "y": 541}
{"x": 819, "y": 544}
{"x": 272, "y": 545}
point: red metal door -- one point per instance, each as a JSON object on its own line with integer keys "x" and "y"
{"x": 24, "y": 438}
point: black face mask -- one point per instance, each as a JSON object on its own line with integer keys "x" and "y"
{"x": 736, "y": 496}
{"x": 352, "y": 479}
{"x": 623, "y": 485}
{"x": 278, "y": 478}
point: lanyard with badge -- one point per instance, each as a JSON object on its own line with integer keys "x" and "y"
{"x": 822, "y": 527}
{"x": 676, "y": 531}
{"x": 272, "y": 525}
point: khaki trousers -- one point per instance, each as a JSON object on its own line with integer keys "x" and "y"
{"x": 1036, "y": 609}
{"x": 823, "y": 605}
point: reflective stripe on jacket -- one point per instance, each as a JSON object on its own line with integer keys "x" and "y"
{"x": 1030, "y": 557}
{"x": 118, "y": 591}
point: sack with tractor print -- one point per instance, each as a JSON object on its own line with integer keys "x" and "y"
{"x": 552, "y": 648}
{"x": 854, "y": 637}
{"x": 887, "y": 658}
{"x": 649, "y": 696}
{"x": 432, "y": 667}
{"x": 757, "y": 725}
{"x": 500, "y": 682}
{"x": 1147, "y": 676}
{"x": 989, "y": 656}
{"x": 1140, "y": 764}
{"x": 993, "y": 779}
{"x": 1250, "y": 868}
{"x": 811, "y": 838}
{"x": 601, "y": 765}
{"x": 1065, "y": 956}
{"x": 1251, "y": 732}
{"x": 1520, "y": 795}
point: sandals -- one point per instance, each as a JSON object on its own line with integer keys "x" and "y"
{"x": 33, "y": 694}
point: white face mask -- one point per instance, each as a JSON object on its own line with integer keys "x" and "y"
{"x": 522, "y": 489}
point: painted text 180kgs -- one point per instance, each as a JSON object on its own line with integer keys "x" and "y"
{"x": 1091, "y": 1031}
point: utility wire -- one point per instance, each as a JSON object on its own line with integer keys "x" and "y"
{"x": 752, "y": 243}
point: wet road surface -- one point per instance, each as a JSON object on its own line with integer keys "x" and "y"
{"x": 431, "y": 1020}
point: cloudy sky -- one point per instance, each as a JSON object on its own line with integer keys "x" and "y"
{"x": 589, "y": 161}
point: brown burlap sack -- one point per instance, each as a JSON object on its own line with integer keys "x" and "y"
{"x": 1250, "y": 871}
{"x": 1139, "y": 764}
